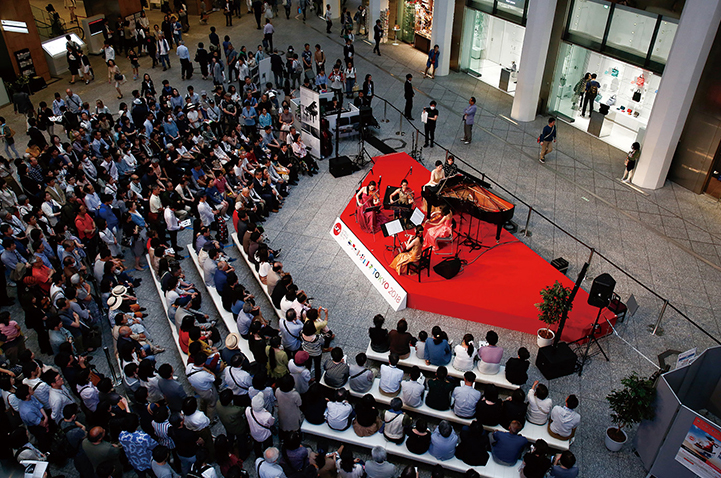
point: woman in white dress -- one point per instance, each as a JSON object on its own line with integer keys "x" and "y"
{"x": 466, "y": 354}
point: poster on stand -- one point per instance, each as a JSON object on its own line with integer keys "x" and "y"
{"x": 700, "y": 450}
{"x": 310, "y": 119}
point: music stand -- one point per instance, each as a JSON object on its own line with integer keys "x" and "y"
{"x": 392, "y": 228}
{"x": 417, "y": 217}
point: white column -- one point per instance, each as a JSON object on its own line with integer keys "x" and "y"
{"x": 441, "y": 31}
{"x": 533, "y": 59}
{"x": 689, "y": 53}
{"x": 335, "y": 10}
{"x": 374, "y": 13}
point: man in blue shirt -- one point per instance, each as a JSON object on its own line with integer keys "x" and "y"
{"x": 465, "y": 397}
{"x": 106, "y": 212}
{"x": 507, "y": 446}
{"x": 592, "y": 88}
{"x": 33, "y": 416}
{"x": 137, "y": 444}
{"x": 469, "y": 116}
{"x": 548, "y": 136}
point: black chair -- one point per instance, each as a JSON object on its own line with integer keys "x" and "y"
{"x": 423, "y": 262}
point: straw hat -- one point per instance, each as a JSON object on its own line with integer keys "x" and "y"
{"x": 119, "y": 290}
{"x": 232, "y": 341}
{"x": 114, "y": 302}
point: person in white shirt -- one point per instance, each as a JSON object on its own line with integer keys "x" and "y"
{"x": 259, "y": 423}
{"x": 172, "y": 226}
{"x": 539, "y": 404}
{"x": 412, "y": 390}
{"x": 202, "y": 382}
{"x": 41, "y": 390}
{"x": 59, "y": 395}
{"x": 391, "y": 377}
{"x": 205, "y": 211}
{"x": 466, "y": 354}
{"x": 339, "y": 412}
{"x": 267, "y": 465}
{"x": 210, "y": 266}
{"x": 237, "y": 379}
{"x": 564, "y": 420}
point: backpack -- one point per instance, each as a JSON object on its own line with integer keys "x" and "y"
{"x": 297, "y": 66}
{"x": 593, "y": 90}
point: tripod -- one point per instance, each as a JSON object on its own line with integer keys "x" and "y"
{"x": 591, "y": 337}
{"x": 360, "y": 160}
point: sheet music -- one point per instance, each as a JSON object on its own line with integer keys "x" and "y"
{"x": 394, "y": 227}
{"x": 417, "y": 217}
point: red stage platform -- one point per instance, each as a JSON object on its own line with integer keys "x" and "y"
{"x": 498, "y": 287}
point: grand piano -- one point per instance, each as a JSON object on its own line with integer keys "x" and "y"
{"x": 467, "y": 194}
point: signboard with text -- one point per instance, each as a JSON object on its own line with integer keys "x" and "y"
{"x": 700, "y": 451}
{"x": 381, "y": 279}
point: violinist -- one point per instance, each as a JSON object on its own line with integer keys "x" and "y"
{"x": 368, "y": 213}
{"x": 402, "y": 200}
{"x": 410, "y": 253}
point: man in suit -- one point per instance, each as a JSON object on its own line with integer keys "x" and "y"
{"x": 409, "y": 94}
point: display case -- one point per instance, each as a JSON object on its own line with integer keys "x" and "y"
{"x": 55, "y": 53}
{"x": 423, "y": 24}
{"x": 407, "y": 22}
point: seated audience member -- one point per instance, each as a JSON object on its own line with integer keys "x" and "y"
{"x": 437, "y": 350}
{"x": 489, "y": 410}
{"x": 420, "y": 344}
{"x": 336, "y": 370}
{"x": 490, "y": 355}
{"x": 314, "y": 404}
{"x": 517, "y": 367}
{"x": 412, "y": 390}
{"x": 507, "y": 446}
{"x": 391, "y": 377}
{"x": 339, "y": 413}
{"x": 514, "y": 409}
{"x": 379, "y": 467}
{"x": 347, "y": 465}
{"x": 439, "y": 390}
{"x": 299, "y": 372}
{"x": 465, "y": 354}
{"x": 419, "y": 438}
{"x": 379, "y": 336}
{"x": 474, "y": 446}
{"x": 400, "y": 340}
{"x": 443, "y": 441}
{"x": 394, "y": 422}
{"x": 465, "y": 397}
{"x": 564, "y": 466}
{"x": 536, "y": 462}
{"x": 539, "y": 404}
{"x": 360, "y": 378}
{"x": 367, "y": 418}
{"x": 564, "y": 420}
{"x": 266, "y": 465}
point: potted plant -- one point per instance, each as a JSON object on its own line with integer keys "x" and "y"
{"x": 631, "y": 404}
{"x": 555, "y": 299}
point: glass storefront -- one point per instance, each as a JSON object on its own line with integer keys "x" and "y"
{"x": 489, "y": 45}
{"x": 415, "y": 20}
{"x": 627, "y": 90}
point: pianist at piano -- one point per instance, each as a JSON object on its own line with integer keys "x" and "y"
{"x": 368, "y": 210}
{"x": 433, "y": 184}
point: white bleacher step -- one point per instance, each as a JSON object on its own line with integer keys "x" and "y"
{"x": 499, "y": 379}
{"x": 491, "y": 470}
{"x": 251, "y": 266}
{"x": 163, "y": 302}
{"x": 530, "y": 431}
{"x": 227, "y": 317}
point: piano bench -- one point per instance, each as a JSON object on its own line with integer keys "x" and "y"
{"x": 443, "y": 243}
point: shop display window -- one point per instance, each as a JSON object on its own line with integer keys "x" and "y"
{"x": 627, "y": 90}
{"x": 664, "y": 40}
{"x": 588, "y": 22}
{"x": 511, "y": 9}
{"x": 630, "y": 33}
{"x": 424, "y": 18}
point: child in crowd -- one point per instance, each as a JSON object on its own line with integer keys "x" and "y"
{"x": 420, "y": 345}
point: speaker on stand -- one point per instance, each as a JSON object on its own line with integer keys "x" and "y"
{"x": 599, "y": 296}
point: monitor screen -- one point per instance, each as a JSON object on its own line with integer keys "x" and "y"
{"x": 96, "y": 26}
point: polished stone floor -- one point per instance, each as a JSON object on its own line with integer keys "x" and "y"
{"x": 658, "y": 245}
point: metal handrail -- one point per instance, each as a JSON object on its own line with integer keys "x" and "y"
{"x": 592, "y": 250}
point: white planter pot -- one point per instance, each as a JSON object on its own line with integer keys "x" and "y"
{"x": 613, "y": 445}
{"x": 544, "y": 342}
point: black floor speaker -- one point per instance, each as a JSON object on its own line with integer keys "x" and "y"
{"x": 448, "y": 268}
{"x": 556, "y": 362}
{"x": 601, "y": 290}
{"x": 340, "y": 166}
